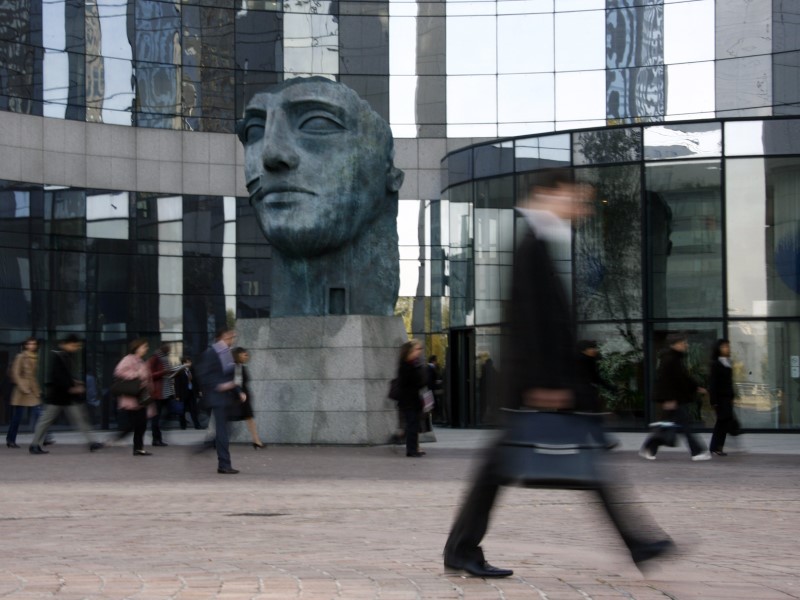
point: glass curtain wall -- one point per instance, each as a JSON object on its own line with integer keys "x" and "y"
{"x": 110, "y": 266}
{"x": 693, "y": 232}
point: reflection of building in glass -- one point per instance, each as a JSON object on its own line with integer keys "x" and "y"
{"x": 123, "y": 208}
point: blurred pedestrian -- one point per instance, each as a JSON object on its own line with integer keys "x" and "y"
{"x": 135, "y": 408}
{"x": 66, "y": 395}
{"x": 722, "y": 394}
{"x": 162, "y": 373}
{"x": 185, "y": 391}
{"x": 216, "y": 371}
{"x": 411, "y": 377}
{"x": 539, "y": 371}
{"x": 242, "y": 379}
{"x": 27, "y": 394}
{"x": 675, "y": 389}
{"x": 591, "y": 382}
{"x": 435, "y": 385}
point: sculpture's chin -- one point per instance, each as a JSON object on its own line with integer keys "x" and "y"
{"x": 298, "y": 243}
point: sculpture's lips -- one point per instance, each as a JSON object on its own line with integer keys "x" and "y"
{"x": 281, "y": 196}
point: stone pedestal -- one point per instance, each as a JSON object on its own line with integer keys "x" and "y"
{"x": 322, "y": 380}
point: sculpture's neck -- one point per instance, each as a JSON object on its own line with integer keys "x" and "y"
{"x": 360, "y": 278}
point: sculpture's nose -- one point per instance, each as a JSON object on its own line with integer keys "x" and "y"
{"x": 279, "y": 150}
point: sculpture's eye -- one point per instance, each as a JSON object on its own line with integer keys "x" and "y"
{"x": 320, "y": 124}
{"x": 253, "y": 130}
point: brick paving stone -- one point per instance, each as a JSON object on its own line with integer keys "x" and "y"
{"x": 353, "y": 523}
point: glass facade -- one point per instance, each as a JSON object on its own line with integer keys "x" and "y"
{"x": 111, "y": 228}
{"x": 688, "y": 236}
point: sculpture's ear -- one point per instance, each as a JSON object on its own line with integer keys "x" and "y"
{"x": 394, "y": 179}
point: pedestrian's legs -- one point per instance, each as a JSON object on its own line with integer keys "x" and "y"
{"x": 412, "y": 431}
{"x": 13, "y": 426}
{"x": 629, "y": 522}
{"x": 191, "y": 406}
{"x": 44, "y": 422}
{"x": 155, "y": 422}
{"x": 473, "y": 518}
{"x": 79, "y": 418}
{"x": 221, "y": 425}
{"x": 138, "y": 421}
{"x": 684, "y": 421}
{"x": 721, "y": 428}
{"x": 253, "y": 429}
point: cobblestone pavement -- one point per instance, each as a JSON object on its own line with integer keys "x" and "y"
{"x": 367, "y": 522}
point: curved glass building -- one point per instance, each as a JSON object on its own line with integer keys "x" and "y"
{"x": 123, "y": 210}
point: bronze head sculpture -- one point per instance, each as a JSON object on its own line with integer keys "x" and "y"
{"x": 320, "y": 174}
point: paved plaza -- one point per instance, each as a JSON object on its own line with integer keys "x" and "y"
{"x": 367, "y": 522}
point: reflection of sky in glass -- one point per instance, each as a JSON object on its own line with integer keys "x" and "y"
{"x": 690, "y": 91}
{"x": 56, "y": 63}
{"x": 403, "y": 68}
{"x": 682, "y": 141}
{"x": 745, "y": 219}
{"x": 118, "y": 66}
{"x": 744, "y": 137}
{"x": 580, "y": 41}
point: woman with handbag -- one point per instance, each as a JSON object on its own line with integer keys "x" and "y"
{"x": 411, "y": 379}
{"x": 134, "y": 384}
{"x": 720, "y": 389}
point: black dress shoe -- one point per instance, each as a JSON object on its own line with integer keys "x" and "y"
{"x": 719, "y": 453}
{"x": 12, "y": 445}
{"x": 476, "y": 567}
{"x": 142, "y": 453}
{"x": 95, "y": 446}
{"x": 160, "y": 443}
{"x": 644, "y": 552}
{"x": 228, "y": 471}
{"x": 37, "y": 450}
{"x": 415, "y": 454}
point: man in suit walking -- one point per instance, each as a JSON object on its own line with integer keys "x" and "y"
{"x": 539, "y": 366}
{"x": 215, "y": 371}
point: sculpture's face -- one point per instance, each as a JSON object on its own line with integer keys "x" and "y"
{"x": 318, "y": 166}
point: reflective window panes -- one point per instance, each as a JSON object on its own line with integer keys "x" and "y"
{"x": 580, "y": 40}
{"x": 689, "y": 32}
{"x": 494, "y": 159}
{"x": 608, "y": 247}
{"x": 311, "y": 38}
{"x": 157, "y": 72}
{"x": 65, "y": 211}
{"x": 766, "y": 373}
{"x": 621, "y": 366}
{"x": 744, "y": 138}
{"x": 107, "y": 216}
{"x": 494, "y": 247}
{"x": 459, "y": 167}
{"x": 542, "y": 152}
{"x": 113, "y": 79}
{"x": 460, "y": 282}
{"x": 607, "y": 146}
{"x": 475, "y": 113}
{"x": 525, "y": 44}
{"x": 634, "y": 62}
{"x": 763, "y": 210}
{"x": 686, "y": 140}
{"x": 525, "y": 103}
{"x": 690, "y": 91}
{"x": 685, "y": 238}
{"x": 782, "y": 137}
{"x": 55, "y": 63}
{"x": 580, "y": 99}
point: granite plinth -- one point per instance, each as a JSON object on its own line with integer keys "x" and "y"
{"x": 322, "y": 380}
